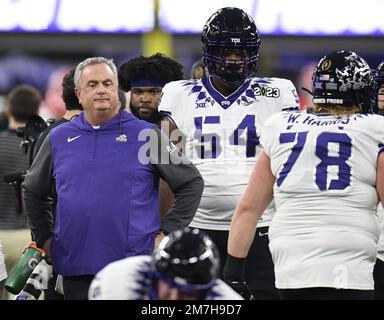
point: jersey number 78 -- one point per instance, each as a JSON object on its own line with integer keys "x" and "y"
{"x": 321, "y": 151}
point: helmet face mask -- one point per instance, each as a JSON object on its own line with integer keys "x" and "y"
{"x": 380, "y": 100}
{"x": 343, "y": 78}
{"x": 230, "y": 64}
{"x": 230, "y": 29}
{"x": 187, "y": 260}
{"x": 378, "y": 76}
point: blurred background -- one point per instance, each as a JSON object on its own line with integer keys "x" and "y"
{"x": 41, "y": 39}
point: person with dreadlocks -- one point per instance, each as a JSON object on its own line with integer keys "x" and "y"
{"x": 145, "y": 77}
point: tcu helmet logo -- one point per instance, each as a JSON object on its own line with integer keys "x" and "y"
{"x": 235, "y": 40}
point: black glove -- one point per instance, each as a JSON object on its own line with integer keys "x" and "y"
{"x": 241, "y": 288}
{"x": 233, "y": 275}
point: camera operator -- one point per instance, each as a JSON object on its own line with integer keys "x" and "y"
{"x": 23, "y": 103}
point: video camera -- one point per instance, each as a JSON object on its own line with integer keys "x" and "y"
{"x": 34, "y": 126}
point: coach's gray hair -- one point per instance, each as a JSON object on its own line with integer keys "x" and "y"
{"x": 91, "y": 61}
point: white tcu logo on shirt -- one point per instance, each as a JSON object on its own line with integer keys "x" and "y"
{"x": 235, "y": 40}
{"x": 121, "y": 138}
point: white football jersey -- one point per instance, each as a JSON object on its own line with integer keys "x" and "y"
{"x": 380, "y": 247}
{"x": 129, "y": 279}
{"x": 325, "y": 229}
{"x": 222, "y": 137}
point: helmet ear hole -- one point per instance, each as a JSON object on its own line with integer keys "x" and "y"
{"x": 230, "y": 28}
{"x": 343, "y": 78}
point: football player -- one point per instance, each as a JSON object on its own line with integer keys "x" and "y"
{"x": 378, "y": 271}
{"x": 325, "y": 171}
{"x": 145, "y": 77}
{"x": 184, "y": 267}
{"x": 220, "y": 118}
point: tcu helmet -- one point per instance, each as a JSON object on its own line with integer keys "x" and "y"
{"x": 343, "y": 78}
{"x": 227, "y": 29}
{"x": 378, "y": 74}
{"x": 186, "y": 259}
{"x": 378, "y": 77}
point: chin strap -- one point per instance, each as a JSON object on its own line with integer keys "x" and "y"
{"x": 307, "y": 90}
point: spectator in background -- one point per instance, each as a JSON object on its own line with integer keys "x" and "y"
{"x": 145, "y": 78}
{"x": 122, "y": 99}
{"x": 326, "y": 172}
{"x": 23, "y": 103}
{"x": 53, "y": 106}
{"x": 72, "y": 107}
{"x": 3, "y": 121}
{"x": 198, "y": 70}
{"x": 221, "y": 117}
{"x": 305, "y": 81}
{"x": 185, "y": 266}
{"x": 106, "y": 183}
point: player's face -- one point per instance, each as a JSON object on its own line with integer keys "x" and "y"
{"x": 233, "y": 54}
{"x": 380, "y": 97}
{"x": 166, "y": 292}
{"x": 144, "y": 102}
{"x": 98, "y": 93}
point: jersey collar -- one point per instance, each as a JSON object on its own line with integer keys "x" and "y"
{"x": 224, "y": 102}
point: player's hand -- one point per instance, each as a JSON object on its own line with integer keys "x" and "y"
{"x": 27, "y": 246}
{"x": 158, "y": 239}
{"x": 47, "y": 249}
{"x": 233, "y": 275}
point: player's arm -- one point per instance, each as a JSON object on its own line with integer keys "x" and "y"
{"x": 170, "y": 129}
{"x": 166, "y": 196}
{"x": 166, "y": 200}
{"x": 380, "y": 177}
{"x": 182, "y": 177}
{"x": 170, "y": 117}
{"x": 257, "y": 196}
{"x": 255, "y": 200}
{"x": 37, "y": 187}
{"x": 173, "y": 113}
